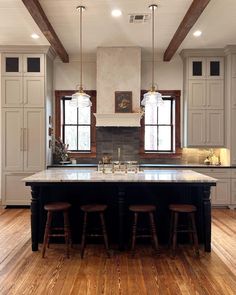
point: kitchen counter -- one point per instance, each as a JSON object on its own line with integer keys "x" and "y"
{"x": 118, "y": 191}
{"x": 144, "y": 166}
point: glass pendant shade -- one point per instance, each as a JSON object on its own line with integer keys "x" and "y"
{"x": 80, "y": 99}
{"x": 152, "y": 98}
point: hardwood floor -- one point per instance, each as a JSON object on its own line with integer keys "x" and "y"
{"x": 25, "y": 272}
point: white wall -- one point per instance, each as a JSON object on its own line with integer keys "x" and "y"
{"x": 169, "y": 75}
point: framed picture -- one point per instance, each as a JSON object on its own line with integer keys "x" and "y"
{"x": 123, "y": 101}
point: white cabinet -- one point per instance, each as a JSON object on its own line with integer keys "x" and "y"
{"x": 23, "y": 64}
{"x": 14, "y": 190}
{"x": 204, "y": 100}
{"x": 23, "y": 138}
{"x": 23, "y": 123}
{"x": 206, "y": 68}
{"x": 233, "y": 189}
{"x": 205, "y": 128}
{"x": 23, "y": 91}
{"x": 12, "y": 139}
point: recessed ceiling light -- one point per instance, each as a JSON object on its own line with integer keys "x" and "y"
{"x": 116, "y": 12}
{"x": 197, "y": 33}
{"x": 35, "y": 36}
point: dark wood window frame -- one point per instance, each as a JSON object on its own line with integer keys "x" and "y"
{"x": 59, "y": 94}
{"x": 178, "y": 151}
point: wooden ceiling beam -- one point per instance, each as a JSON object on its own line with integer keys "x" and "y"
{"x": 190, "y": 18}
{"x": 39, "y": 16}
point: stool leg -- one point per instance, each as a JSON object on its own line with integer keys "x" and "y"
{"x": 104, "y": 233}
{"x": 83, "y": 235}
{"x": 66, "y": 232}
{"x": 134, "y": 232}
{"x": 153, "y": 230}
{"x": 190, "y": 227}
{"x": 176, "y": 216}
{"x": 195, "y": 237}
{"x": 171, "y": 228}
{"x": 46, "y": 232}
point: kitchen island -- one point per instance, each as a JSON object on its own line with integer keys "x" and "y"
{"x": 119, "y": 190}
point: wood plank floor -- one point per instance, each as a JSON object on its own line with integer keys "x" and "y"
{"x": 25, "y": 272}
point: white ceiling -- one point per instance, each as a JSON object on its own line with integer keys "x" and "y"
{"x": 218, "y": 23}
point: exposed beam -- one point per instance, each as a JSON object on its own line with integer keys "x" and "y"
{"x": 39, "y": 16}
{"x": 190, "y": 18}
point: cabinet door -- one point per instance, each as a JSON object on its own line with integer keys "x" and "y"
{"x": 14, "y": 191}
{"x": 34, "y": 139}
{"x": 233, "y": 94}
{"x": 197, "y": 94}
{"x": 197, "y": 68}
{"x": 215, "y": 128}
{"x": 33, "y": 65}
{"x": 234, "y": 65}
{"x": 12, "y": 92}
{"x": 215, "y": 94}
{"x": 215, "y": 68}
{"x": 196, "y": 128}
{"x": 233, "y": 138}
{"x": 221, "y": 193}
{"x": 34, "y": 91}
{"x": 12, "y": 145}
{"x": 12, "y": 64}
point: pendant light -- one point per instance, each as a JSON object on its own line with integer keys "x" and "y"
{"x": 80, "y": 98}
{"x": 152, "y": 97}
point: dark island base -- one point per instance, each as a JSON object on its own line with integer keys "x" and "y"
{"x": 118, "y": 197}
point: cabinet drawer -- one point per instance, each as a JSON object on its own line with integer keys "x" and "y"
{"x": 233, "y": 173}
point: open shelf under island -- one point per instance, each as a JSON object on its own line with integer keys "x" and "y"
{"x": 118, "y": 191}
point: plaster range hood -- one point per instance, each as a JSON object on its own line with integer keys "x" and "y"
{"x": 118, "y": 69}
{"x": 118, "y": 120}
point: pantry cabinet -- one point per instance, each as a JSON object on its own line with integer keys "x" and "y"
{"x": 24, "y": 84}
{"x": 204, "y": 103}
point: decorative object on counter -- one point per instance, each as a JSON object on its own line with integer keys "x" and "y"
{"x": 207, "y": 161}
{"x": 106, "y": 159}
{"x": 152, "y": 97}
{"x": 119, "y": 167}
{"x": 123, "y": 101}
{"x": 80, "y": 98}
{"x": 60, "y": 150}
{"x": 73, "y": 161}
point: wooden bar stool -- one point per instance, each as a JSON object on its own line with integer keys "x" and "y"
{"x": 53, "y": 208}
{"x": 99, "y": 209}
{"x": 175, "y": 228}
{"x": 148, "y": 209}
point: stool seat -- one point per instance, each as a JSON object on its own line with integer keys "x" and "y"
{"x": 57, "y": 206}
{"x": 182, "y": 208}
{"x": 94, "y": 208}
{"x": 142, "y": 208}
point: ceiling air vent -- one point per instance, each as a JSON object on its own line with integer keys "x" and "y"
{"x": 138, "y": 18}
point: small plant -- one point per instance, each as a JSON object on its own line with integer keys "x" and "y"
{"x": 60, "y": 151}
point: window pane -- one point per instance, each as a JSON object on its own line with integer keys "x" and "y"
{"x": 214, "y": 68}
{"x": 12, "y": 64}
{"x": 84, "y": 115}
{"x": 150, "y": 141}
{"x": 150, "y": 115}
{"x": 70, "y": 113}
{"x": 84, "y": 138}
{"x": 164, "y": 139}
{"x": 197, "y": 68}
{"x": 164, "y": 113}
{"x": 71, "y": 137}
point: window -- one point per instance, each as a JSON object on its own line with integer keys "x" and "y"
{"x": 161, "y": 127}
{"x": 76, "y": 126}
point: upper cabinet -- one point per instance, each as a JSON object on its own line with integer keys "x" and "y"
{"x": 206, "y": 68}
{"x": 204, "y": 99}
{"x": 23, "y": 64}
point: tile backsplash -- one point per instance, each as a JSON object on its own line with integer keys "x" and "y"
{"x": 109, "y": 139}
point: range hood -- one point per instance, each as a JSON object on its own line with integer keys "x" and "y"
{"x": 118, "y": 69}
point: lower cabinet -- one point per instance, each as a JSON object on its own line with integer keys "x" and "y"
{"x": 220, "y": 194}
{"x": 14, "y": 191}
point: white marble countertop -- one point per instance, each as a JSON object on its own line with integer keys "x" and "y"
{"x": 82, "y": 175}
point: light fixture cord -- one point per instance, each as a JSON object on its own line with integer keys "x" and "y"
{"x": 153, "y": 8}
{"x": 81, "y": 63}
